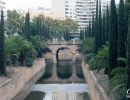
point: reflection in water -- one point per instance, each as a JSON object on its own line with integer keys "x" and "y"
{"x": 59, "y": 96}
{"x": 64, "y": 69}
{"x": 59, "y": 91}
{"x": 35, "y": 96}
{"x": 48, "y": 71}
{"x": 79, "y": 70}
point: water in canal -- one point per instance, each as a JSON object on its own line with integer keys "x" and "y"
{"x": 60, "y": 91}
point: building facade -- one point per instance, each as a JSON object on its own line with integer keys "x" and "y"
{"x": 84, "y": 12}
{"x": 2, "y": 4}
{"x": 70, "y": 9}
{"x": 79, "y": 10}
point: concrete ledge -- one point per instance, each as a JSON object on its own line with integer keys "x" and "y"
{"x": 24, "y": 76}
{"x": 96, "y": 92}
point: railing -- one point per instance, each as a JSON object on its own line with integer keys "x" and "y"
{"x": 63, "y": 42}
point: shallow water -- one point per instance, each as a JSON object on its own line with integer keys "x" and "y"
{"x": 72, "y": 91}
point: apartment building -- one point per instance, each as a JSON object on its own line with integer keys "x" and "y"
{"x": 104, "y": 4}
{"x": 70, "y": 9}
{"x": 2, "y": 4}
{"x": 78, "y": 10}
{"x": 84, "y": 12}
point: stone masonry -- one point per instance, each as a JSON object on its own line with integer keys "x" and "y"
{"x": 14, "y": 85}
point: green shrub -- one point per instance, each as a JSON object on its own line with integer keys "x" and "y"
{"x": 38, "y": 44}
{"x": 87, "y": 46}
{"x": 117, "y": 84}
{"x": 100, "y": 61}
{"x": 11, "y": 49}
{"x": 29, "y": 62}
{"x": 17, "y": 49}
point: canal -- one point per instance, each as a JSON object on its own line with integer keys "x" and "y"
{"x": 44, "y": 90}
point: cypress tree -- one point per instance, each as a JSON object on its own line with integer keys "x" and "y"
{"x": 103, "y": 30}
{"x": 128, "y": 52}
{"x": 27, "y": 26}
{"x": 121, "y": 32}
{"x": 40, "y": 29}
{"x": 38, "y": 26}
{"x": 126, "y": 11}
{"x": 128, "y": 57}
{"x": 97, "y": 44}
{"x": 100, "y": 25}
{"x": 107, "y": 24}
{"x": 81, "y": 35}
{"x": 86, "y": 32}
{"x": 93, "y": 25}
{"x": 113, "y": 39}
{"x": 2, "y": 46}
{"x": 89, "y": 30}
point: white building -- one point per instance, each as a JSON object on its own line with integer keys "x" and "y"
{"x": 78, "y": 10}
{"x": 104, "y": 4}
{"x": 2, "y": 4}
{"x": 70, "y": 9}
{"x": 84, "y": 11}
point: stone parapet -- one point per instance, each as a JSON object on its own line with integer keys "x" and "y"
{"x": 96, "y": 92}
{"x": 14, "y": 85}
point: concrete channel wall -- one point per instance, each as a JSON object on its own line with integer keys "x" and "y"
{"x": 96, "y": 92}
{"x": 16, "y": 87}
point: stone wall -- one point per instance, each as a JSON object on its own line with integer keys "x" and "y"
{"x": 96, "y": 92}
{"x": 23, "y": 78}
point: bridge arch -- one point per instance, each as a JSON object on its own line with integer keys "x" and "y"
{"x": 58, "y": 50}
{"x": 47, "y": 50}
{"x": 55, "y": 49}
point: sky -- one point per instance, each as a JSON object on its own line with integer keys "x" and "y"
{"x": 25, "y": 4}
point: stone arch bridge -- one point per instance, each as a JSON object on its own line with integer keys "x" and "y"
{"x": 55, "y": 48}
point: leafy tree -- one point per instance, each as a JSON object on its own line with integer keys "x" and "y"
{"x": 14, "y": 21}
{"x": 2, "y": 46}
{"x": 100, "y": 61}
{"x": 113, "y": 38}
{"x": 38, "y": 44}
{"x": 87, "y": 46}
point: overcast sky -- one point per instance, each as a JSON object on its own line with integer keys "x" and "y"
{"x": 25, "y": 4}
